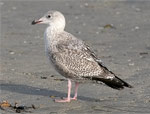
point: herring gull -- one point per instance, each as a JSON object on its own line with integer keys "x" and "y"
{"x": 72, "y": 58}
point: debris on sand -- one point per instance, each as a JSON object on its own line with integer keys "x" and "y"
{"x": 109, "y": 26}
{"x": 5, "y": 105}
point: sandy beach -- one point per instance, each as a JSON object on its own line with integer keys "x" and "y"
{"x": 118, "y": 32}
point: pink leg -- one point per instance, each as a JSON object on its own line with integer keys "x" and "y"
{"x": 69, "y": 92}
{"x": 76, "y": 91}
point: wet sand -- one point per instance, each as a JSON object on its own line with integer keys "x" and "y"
{"x": 118, "y": 32}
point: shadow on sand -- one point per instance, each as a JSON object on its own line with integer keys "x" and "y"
{"x": 24, "y": 89}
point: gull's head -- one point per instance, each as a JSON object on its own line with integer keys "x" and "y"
{"x": 54, "y": 19}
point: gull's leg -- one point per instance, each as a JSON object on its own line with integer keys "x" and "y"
{"x": 69, "y": 92}
{"x": 76, "y": 91}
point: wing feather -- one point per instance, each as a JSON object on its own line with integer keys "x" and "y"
{"x": 74, "y": 59}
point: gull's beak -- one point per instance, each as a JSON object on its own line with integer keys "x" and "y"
{"x": 36, "y": 22}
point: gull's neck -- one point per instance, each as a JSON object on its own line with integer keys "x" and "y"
{"x": 52, "y": 31}
{"x": 50, "y": 36}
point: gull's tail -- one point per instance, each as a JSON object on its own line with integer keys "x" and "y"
{"x": 116, "y": 83}
{"x": 111, "y": 79}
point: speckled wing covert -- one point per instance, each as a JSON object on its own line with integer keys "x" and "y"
{"x": 76, "y": 61}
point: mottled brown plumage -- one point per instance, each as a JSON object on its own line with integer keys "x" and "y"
{"x": 72, "y": 58}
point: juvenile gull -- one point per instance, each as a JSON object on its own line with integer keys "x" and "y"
{"x": 72, "y": 58}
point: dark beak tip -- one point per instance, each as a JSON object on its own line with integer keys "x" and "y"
{"x": 33, "y": 22}
{"x": 36, "y": 22}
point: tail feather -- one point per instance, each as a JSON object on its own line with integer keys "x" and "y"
{"x": 115, "y": 83}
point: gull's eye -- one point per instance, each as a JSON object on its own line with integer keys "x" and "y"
{"x": 48, "y": 16}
